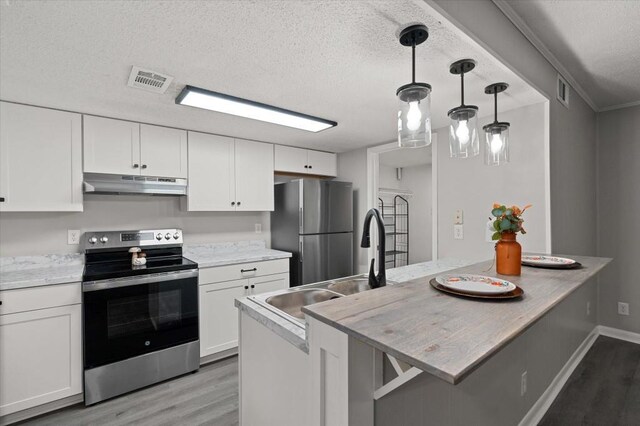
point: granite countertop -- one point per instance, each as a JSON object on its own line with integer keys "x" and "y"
{"x": 296, "y": 333}
{"x": 33, "y": 271}
{"x": 447, "y": 336}
{"x": 220, "y": 254}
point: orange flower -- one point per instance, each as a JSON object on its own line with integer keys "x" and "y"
{"x": 496, "y": 205}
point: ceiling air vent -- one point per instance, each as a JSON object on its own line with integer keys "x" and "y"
{"x": 150, "y": 81}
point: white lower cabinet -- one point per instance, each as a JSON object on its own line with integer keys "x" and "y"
{"x": 218, "y": 314}
{"x": 40, "y": 350}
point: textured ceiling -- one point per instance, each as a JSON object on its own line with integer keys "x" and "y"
{"x": 339, "y": 60}
{"x": 596, "y": 41}
{"x": 406, "y": 157}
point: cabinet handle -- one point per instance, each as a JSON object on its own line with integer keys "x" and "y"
{"x": 311, "y": 167}
{"x": 246, "y": 287}
{"x": 238, "y": 202}
{"x": 1, "y": 199}
{"x": 136, "y": 165}
{"x": 248, "y": 270}
{"x": 144, "y": 166}
{"x": 233, "y": 203}
{"x": 253, "y": 286}
{"x": 306, "y": 166}
{"x": 0, "y": 302}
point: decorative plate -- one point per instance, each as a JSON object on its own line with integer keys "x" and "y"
{"x": 475, "y": 284}
{"x": 517, "y": 293}
{"x": 546, "y": 261}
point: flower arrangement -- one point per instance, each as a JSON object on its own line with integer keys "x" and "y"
{"x": 507, "y": 219}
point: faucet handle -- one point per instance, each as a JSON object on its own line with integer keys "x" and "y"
{"x": 373, "y": 282}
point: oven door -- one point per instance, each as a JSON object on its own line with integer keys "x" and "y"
{"x": 127, "y": 317}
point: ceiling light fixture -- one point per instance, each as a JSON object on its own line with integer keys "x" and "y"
{"x": 213, "y": 101}
{"x": 463, "y": 127}
{"x": 414, "y": 113}
{"x": 496, "y": 133}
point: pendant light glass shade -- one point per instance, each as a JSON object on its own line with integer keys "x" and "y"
{"x": 463, "y": 132}
{"x": 496, "y": 133}
{"x": 414, "y": 115}
{"x": 414, "y": 110}
{"x": 497, "y": 144}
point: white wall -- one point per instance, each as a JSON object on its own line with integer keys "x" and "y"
{"x": 46, "y": 233}
{"x": 618, "y": 215}
{"x": 416, "y": 179}
{"x": 470, "y": 185}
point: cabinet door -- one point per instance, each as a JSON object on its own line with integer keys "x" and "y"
{"x": 291, "y": 160}
{"x": 254, "y": 176}
{"x": 268, "y": 283}
{"x": 218, "y": 315}
{"x": 40, "y": 159}
{"x": 211, "y": 173}
{"x": 111, "y": 146}
{"x": 322, "y": 163}
{"x": 40, "y": 357}
{"x": 163, "y": 151}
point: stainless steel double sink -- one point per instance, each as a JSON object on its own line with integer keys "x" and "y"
{"x": 291, "y": 301}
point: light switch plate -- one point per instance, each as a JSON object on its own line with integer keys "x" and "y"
{"x": 73, "y": 236}
{"x": 623, "y": 308}
{"x": 458, "y": 232}
{"x": 457, "y": 218}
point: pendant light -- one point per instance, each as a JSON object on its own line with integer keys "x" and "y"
{"x": 496, "y": 133}
{"x": 463, "y": 126}
{"x": 414, "y": 112}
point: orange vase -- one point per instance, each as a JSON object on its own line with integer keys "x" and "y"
{"x": 508, "y": 254}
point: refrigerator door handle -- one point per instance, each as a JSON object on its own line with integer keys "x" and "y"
{"x": 301, "y": 221}
{"x": 301, "y": 251}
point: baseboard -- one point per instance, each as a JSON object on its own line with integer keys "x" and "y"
{"x": 543, "y": 403}
{"x": 538, "y": 410}
{"x": 616, "y": 333}
{"x": 218, "y": 356}
{"x": 41, "y": 409}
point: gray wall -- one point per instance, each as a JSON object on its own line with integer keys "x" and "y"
{"x": 618, "y": 215}
{"x": 45, "y": 233}
{"x": 470, "y": 185}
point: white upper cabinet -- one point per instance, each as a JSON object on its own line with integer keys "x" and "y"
{"x": 254, "y": 176}
{"x": 211, "y": 173}
{"x": 228, "y": 174}
{"x": 163, "y": 151}
{"x": 40, "y": 159}
{"x": 289, "y": 159}
{"x": 322, "y": 163}
{"x": 304, "y": 161}
{"x": 128, "y": 148}
{"x": 111, "y": 146}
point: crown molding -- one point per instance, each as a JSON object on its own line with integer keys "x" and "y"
{"x": 620, "y": 106}
{"x": 508, "y": 11}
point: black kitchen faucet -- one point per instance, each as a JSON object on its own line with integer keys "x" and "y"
{"x": 379, "y": 280}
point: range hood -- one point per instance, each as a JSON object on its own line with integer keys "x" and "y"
{"x": 98, "y": 183}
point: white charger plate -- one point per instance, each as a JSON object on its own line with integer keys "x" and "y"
{"x": 475, "y": 284}
{"x": 544, "y": 260}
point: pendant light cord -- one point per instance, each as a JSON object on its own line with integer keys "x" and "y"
{"x": 413, "y": 61}
{"x": 462, "y": 88}
{"x": 495, "y": 106}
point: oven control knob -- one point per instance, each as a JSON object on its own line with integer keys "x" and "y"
{"x": 93, "y": 240}
{"x": 158, "y": 236}
{"x": 104, "y": 239}
{"x": 167, "y": 236}
{"x": 176, "y": 236}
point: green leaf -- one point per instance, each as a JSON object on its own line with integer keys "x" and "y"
{"x": 496, "y": 212}
{"x": 495, "y": 236}
{"x": 508, "y": 212}
{"x": 504, "y": 225}
{"x": 496, "y": 225}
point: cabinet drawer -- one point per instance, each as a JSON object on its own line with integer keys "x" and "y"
{"x": 29, "y": 299}
{"x": 243, "y": 270}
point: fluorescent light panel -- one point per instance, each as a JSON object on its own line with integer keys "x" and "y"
{"x": 206, "y": 99}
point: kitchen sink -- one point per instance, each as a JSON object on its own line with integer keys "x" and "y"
{"x": 292, "y": 302}
{"x": 350, "y": 286}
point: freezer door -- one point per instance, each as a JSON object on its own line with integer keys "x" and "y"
{"x": 327, "y": 206}
{"x": 325, "y": 257}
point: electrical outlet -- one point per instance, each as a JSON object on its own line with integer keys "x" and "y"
{"x": 588, "y": 308}
{"x": 458, "y": 232}
{"x": 457, "y": 218}
{"x": 73, "y": 236}
{"x": 258, "y": 228}
{"x": 623, "y": 308}
{"x": 523, "y": 384}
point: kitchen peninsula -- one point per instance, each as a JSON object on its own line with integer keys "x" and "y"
{"x": 406, "y": 354}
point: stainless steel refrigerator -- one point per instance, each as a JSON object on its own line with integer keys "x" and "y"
{"x": 313, "y": 219}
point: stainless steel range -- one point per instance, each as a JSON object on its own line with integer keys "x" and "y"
{"x": 140, "y": 309}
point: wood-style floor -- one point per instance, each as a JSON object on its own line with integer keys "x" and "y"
{"x": 603, "y": 390}
{"x": 208, "y": 397}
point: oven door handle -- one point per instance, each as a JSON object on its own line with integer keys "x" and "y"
{"x": 139, "y": 280}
